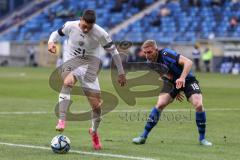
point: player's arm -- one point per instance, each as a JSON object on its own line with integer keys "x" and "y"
{"x": 110, "y": 47}
{"x": 173, "y": 57}
{"x": 55, "y": 36}
{"x": 187, "y": 65}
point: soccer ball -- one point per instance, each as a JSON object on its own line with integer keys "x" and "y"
{"x": 60, "y": 144}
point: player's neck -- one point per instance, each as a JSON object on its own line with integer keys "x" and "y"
{"x": 155, "y": 58}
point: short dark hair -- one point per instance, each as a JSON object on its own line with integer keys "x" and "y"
{"x": 89, "y": 16}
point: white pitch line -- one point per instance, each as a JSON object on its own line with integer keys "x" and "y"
{"x": 24, "y": 113}
{"x": 79, "y": 152}
{"x": 121, "y": 111}
{"x": 21, "y": 74}
{"x": 178, "y": 110}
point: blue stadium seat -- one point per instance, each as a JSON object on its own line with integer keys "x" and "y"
{"x": 42, "y": 22}
{"x": 184, "y": 23}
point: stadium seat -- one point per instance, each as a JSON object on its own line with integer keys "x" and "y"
{"x": 185, "y": 22}
{"x": 34, "y": 28}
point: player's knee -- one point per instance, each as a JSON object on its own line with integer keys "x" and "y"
{"x": 161, "y": 105}
{"x": 96, "y": 104}
{"x": 198, "y": 106}
{"x": 68, "y": 83}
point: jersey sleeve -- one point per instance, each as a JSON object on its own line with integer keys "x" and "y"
{"x": 105, "y": 40}
{"x": 65, "y": 29}
{"x": 170, "y": 55}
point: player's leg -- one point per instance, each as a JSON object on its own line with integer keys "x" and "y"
{"x": 196, "y": 101}
{"x": 166, "y": 96}
{"x": 95, "y": 103}
{"x": 92, "y": 91}
{"x": 193, "y": 93}
{"x": 163, "y": 100}
{"x": 64, "y": 99}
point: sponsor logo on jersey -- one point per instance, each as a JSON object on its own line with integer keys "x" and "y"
{"x": 82, "y": 35}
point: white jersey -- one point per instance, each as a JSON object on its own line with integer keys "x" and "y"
{"x": 80, "y": 44}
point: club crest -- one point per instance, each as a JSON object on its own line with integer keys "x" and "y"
{"x": 81, "y": 43}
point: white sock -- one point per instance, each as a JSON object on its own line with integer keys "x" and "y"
{"x": 96, "y": 118}
{"x": 64, "y": 100}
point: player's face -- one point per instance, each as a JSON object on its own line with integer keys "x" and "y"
{"x": 85, "y": 27}
{"x": 150, "y": 53}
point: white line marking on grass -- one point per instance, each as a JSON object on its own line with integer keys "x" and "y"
{"x": 21, "y": 74}
{"x": 121, "y": 111}
{"x": 23, "y": 113}
{"x": 178, "y": 110}
{"x": 79, "y": 152}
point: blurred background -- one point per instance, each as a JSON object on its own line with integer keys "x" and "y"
{"x": 207, "y": 31}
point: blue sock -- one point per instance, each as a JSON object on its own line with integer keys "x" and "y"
{"x": 151, "y": 122}
{"x": 201, "y": 124}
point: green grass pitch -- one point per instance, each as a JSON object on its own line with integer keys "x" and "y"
{"x": 27, "y": 117}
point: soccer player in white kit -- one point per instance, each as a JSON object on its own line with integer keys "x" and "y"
{"x": 84, "y": 41}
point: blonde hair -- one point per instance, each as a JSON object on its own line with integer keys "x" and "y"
{"x": 149, "y": 43}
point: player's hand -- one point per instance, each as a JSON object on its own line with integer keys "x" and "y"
{"x": 122, "y": 79}
{"x": 180, "y": 97}
{"x": 180, "y": 82}
{"x": 52, "y": 47}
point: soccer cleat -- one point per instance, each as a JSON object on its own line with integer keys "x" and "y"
{"x": 95, "y": 140}
{"x": 60, "y": 126}
{"x": 204, "y": 142}
{"x": 139, "y": 140}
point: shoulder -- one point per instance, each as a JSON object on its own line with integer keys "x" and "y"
{"x": 160, "y": 51}
{"x": 168, "y": 50}
{"x": 169, "y": 54}
{"x": 71, "y": 23}
{"x": 99, "y": 31}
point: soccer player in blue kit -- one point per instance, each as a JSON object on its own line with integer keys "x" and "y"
{"x": 179, "y": 78}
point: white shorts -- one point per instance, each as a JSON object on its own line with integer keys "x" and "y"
{"x": 88, "y": 80}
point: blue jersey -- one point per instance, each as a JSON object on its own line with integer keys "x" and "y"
{"x": 170, "y": 58}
